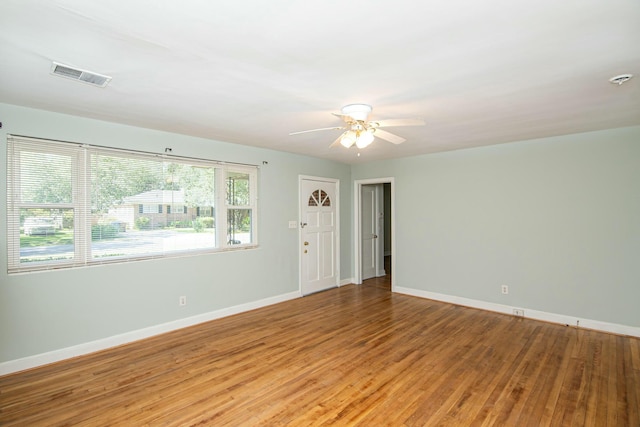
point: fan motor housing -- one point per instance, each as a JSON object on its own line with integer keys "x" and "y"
{"x": 358, "y": 112}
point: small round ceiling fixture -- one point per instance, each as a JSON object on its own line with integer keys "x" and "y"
{"x": 618, "y": 80}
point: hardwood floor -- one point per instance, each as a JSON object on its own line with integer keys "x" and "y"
{"x": 383, "y": 282}
{"x": 356, "y": 355}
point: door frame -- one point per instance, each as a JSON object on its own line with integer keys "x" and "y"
{"x": 300, "y": 245}
{"x": 357, "y": 219}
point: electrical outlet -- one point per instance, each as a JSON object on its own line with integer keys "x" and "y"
{"x": 182, "y": 301}
{"x": 518, "y": 312}
{"x": 505, "y": 289}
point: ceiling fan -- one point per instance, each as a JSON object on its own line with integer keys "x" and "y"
{"x": 361, "y": 132}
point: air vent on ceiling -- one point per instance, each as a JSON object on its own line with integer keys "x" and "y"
{"x": 80, "y": 75}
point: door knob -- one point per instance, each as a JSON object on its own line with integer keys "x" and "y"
{"x": 305, "y": 251}
{"x": 375, "y": 236}
{"x": 306, "y": 243}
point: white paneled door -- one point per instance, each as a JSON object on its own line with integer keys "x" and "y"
{"x": 369, "y": 232}
{"x": 319, "y": 235}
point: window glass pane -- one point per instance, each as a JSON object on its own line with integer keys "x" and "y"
{"x": 114, "y": 178}
{"x": 153, "y": 207}
{"x": 239, "y": 226}
{"x": 46, "y": 235}
{"x": 45, "y": 178}
{"x": 238, "y": 189}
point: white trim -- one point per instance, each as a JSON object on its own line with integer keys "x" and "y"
{"x": 345, "y": 282}
{"x": 29, "y": 362}
{"x": 528, "y": 313}
{"x": 357, "y": 249}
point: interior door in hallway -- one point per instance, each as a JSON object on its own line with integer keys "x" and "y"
{"x": 369, "y": 231}
{"x": 319, "y": 235}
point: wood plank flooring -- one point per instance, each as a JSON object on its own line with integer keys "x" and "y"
{"x": 356, "y": 355}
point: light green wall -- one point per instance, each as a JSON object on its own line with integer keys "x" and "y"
{"x": 555, "y": 219}
{"x": 46, "y": 311}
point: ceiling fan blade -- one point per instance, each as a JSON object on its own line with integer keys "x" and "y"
{"x": 315, "y": 130}
{"x": 398, "y": 122}
{"x": 388, "y": 136}
{"x": 336, "y": 142}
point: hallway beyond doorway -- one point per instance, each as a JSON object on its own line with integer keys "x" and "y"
{"x": 382, "y": 281}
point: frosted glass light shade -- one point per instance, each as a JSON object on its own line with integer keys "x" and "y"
{"x": 364, "y": 139}
{"x": 348, "y": 139}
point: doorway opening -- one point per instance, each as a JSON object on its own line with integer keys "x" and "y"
{"x": 374, "y": 232}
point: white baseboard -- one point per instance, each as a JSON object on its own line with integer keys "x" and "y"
{"x": 344, "y": 282}
{"x": 528, "y": 313}
{"x": 29, "y": 362}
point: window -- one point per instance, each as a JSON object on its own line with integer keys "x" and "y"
{"x": 240, "y": 190}
{"x": 319, "y": 198}
{"x": 71, "y": 205}
{"x": 180, "y": 209}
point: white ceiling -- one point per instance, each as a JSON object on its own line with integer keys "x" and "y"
{"x": 250, "y": 72}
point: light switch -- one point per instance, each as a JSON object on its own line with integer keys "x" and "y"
{"x": 293, "y": 224}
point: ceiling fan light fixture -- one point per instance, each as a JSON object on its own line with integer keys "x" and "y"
{"x": 364, "y": 139}
{"x": 358, "y": 130}
{"x": 348, "y": 139}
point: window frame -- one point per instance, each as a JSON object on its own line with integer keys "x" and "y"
{"x": 251, "y": 205}
{"x": 80, "y": 157}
